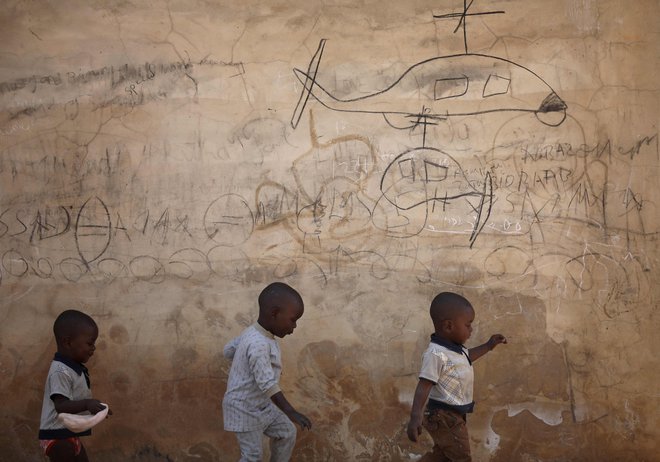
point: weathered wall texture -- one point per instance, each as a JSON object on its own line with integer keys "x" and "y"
{"x": 160, "y": 162}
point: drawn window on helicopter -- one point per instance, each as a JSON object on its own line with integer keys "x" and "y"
{"x": 450, "y": 88}
{"x": 496, "y": 85}
{"x": 434, "y": 172}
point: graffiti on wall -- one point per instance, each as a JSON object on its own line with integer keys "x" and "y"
{"x": 495, "y": 163}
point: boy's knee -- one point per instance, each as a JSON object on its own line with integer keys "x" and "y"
{"x": 251, "y": 445}
{"x": 250, "y": 452}
{"x": 292, "y": 431}
{"x": 283, "y": 430}
{"x": 287, "y": 431}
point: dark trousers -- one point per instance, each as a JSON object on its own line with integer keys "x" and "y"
{"x": 451, "y": 442}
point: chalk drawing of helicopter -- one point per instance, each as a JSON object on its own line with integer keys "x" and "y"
{"x": 457, "y": 85}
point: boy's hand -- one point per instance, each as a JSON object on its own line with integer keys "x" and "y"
{"x": 296, "y": 417}
{"x": 414, "y": 429}
{"x": 94, "y": 406}
{"x": 495, "y": 340}
{"x": 300, "y": 419}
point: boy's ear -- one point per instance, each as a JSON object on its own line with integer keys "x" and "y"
{"x": 448, "y": 324}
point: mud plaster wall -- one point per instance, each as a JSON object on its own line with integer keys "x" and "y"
{"x": 161, "y": 162}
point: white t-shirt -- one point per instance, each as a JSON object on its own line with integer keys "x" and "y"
{"x": 71, "y": 380}
{"x": 452, "y": 374}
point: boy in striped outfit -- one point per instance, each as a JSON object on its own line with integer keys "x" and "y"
{"x": 253, "y": 404}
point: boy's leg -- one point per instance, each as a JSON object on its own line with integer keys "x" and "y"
{"x": 65, "y": 451}
{"x": 82, "y": 457}
{"x": 282, "y": 434}
{"x": 251, "y": 445}
{"x": 450, "y": 437}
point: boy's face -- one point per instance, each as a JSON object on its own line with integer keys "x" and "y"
{"x": 81, "y": 346}
{"x": 461, "y": 326}
{"x": 285, "y": 317}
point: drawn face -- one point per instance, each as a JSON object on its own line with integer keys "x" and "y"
{"x": 82, "y": 345}
{"x": 461, "y": 326}
{"x": 285, "y": 317}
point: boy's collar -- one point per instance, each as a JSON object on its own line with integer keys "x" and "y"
{"x": 455, "y": 347}
{"x": 263, "y": 330}
{"x": 76, "y": 366}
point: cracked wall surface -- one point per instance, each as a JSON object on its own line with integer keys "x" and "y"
{"x": 162, "y": 161}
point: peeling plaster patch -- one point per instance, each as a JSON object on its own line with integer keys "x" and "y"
{"x": 492, "y": 442}
{"x": 582, "y": 412}
{"x": 584, "y": 14}
{"x": 406, "y": 397}
{"x": 555, "y": 334}
{"x": 548, "y": 412}
{"x": 630, "y": 422}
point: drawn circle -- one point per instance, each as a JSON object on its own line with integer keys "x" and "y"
{"x": 111, "y": 268}
{"x": 422, "y": 175}
{"x": 93, "y": 230}
{"x": 185, "y": 263}
{"x": 285, "y": 268}
{"x": 551, "y": 119}
{"x": 43, "y": 268}
{"x": 507, "y": 260}
{"x": 398, "y": 223}
{"x": 266, "y": 134}
{"x": 298, "y": 266}
{"x": 146, "y": 268}
{"x": 228, "y": 220}
{"x": 379, "y": 268}
{"x": 410, "y": 265}
{"x": 228, "y": 262}
{"x": 14, "y": 263}
{"x": 72, "y": 269}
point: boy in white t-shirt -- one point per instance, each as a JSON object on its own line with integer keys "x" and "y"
{"x": 446, "y": 380}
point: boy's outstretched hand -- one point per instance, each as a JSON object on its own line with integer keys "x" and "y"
{"x": 495, "y": 340}
{"x": 301, "y": 420}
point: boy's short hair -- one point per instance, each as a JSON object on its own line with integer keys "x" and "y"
{"x": 447, "y": 305}
{"x": 68, "y": 323}
{"x": 275, "y": 291}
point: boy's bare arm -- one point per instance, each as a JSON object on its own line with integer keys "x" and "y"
{"x": 478, "y": 352}
{"x": 296, "y": 417}
{"x": 417, "y": 411}
{"x": 66, "y": 406}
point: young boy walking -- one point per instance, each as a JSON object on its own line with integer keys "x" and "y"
{"x": 68, "y": 388}
{"x": 446, "y": 380}
{"x": 253, "y": 404}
